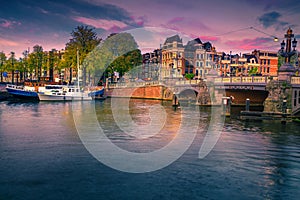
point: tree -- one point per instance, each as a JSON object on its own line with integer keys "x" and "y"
{"x": 119, "y": 52}
{"x": 25, "y": 64}
{"x": 2, "y": 64}
{"x": 189, "y": 76}
{"x": 253, "y": 71}
{"x": 126, "y": 62}
{"x": 38, "y": 56}
{"x": 53, "y": 62}
{"x": 11, "y": 66}
{"x": 84, "y": 39}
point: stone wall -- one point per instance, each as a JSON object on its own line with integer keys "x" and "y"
{"x": 278, "y": 91}
{"x": 158, "y": 92}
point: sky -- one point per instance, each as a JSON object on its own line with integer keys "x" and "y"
{"x": 225, "y": 23}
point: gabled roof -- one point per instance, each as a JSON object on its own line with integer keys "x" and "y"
{"x": 173, "y": 38}
{"x": 207, "y": 46}
{"x": 250, "y": 57}
{"x": 191, "y": 44}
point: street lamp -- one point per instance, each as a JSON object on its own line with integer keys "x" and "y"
{"x": 288, "y": 52}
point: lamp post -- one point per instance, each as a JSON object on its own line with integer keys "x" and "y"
{"x": 287, "y": 70}
{"x": 288, "y": 52}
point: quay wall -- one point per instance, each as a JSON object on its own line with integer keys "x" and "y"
{"x": 160, "y": 92}
{"x": 157, "y": 92}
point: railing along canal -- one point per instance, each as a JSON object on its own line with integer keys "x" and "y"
{"x": 243, "y": 80}
{"x": 295, "y": 80}
{"x": 257, "y": 80}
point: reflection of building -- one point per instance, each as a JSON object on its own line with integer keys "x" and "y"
{"x": 172, "y": 57}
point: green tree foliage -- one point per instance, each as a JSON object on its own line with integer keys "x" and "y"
{"x": 53, "y": 62}
{"x": 11, "y": 65}
{"x": 126, "y": 62}
{"x": 84, "y": 39}
{"x": 280, "y": 60}
{"x": 119, "y": 52}
{"x": 38, "y": 56}
{"x": 253, "y": 71}
{"x": 189, "y": 76}
{"x": 2, "y": 64}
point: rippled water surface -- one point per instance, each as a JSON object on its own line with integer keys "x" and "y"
{"x": 42, "y": 157}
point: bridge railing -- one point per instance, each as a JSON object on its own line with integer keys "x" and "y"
{"x": 187, "y": 82}
{"x": 295, "y": 80}
{"x": 244, "y": 79}
{"x": 133, "y": 84}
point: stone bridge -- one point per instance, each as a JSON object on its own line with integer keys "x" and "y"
{"x": 255, "y": 88}
{"x": 211, "y": 91}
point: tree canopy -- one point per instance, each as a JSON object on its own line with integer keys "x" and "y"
{"x": 119, "y": 52}
{"x": 84, "y": 39}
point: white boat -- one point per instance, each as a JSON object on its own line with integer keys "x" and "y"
{"x": 64, "y": 93}
{"x": 67, "y": 92}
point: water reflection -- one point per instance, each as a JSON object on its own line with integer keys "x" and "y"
{"x": 39, "y": 148}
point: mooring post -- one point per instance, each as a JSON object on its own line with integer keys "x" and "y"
{"x": 284, "y": 107}
{"x": 175, "y": 101}
{"x": 247, "y": 104}
{"x": 226, "y": 106}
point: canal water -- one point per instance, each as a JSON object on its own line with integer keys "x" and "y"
{"x": 42, "y": 156}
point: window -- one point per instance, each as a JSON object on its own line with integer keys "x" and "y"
{"x": 268, "y": 62}
{"x": 175, "y": 44}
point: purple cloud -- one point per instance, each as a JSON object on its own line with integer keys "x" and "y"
{"x": 176, "y": 20}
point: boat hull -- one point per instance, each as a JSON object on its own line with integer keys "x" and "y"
{"x": 47, "y": 97}
{"x": 97, "y": 93}
{"x": 21, "y": 94}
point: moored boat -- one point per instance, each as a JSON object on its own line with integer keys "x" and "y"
{"x": 22, "y": 92}
{"x": 66, "y": 93}
{"x": 97, "y": 93}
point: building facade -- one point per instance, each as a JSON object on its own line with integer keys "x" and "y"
{"x": 172, "y": 57}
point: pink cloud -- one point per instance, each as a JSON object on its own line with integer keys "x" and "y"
{"x": 248, "y": 44}
{"x": 109, "y": 25}
{"x": 5, "y": 42}
{"x": 209, "y": 38}
{"x": 7, "y": 23}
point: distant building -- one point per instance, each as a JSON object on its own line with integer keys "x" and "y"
{"x": 200, "y": 58}
{"x": 151, "y": 65}
{"x": 172, "y": 57}
{"x": 268, "y": 61}
{"x": 258, "y": 62}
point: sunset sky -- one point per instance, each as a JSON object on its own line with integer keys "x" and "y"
{"x": 225, "y": 23}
